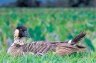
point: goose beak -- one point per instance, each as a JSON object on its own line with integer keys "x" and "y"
{"x": 26, "y": 34}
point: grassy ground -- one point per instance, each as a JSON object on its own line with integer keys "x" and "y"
{"x": 52, "y": 25}
{"x": 49, "y": 58}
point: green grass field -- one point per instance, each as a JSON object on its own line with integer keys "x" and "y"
{"x": 55, "y": 24}
{"x": 49, "y": 58}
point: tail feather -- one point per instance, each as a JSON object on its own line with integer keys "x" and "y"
{"x": 78, "y": 38}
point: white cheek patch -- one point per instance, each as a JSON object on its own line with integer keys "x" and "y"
{"x": 16, "y": 33}
{"x": 69, "y": 41}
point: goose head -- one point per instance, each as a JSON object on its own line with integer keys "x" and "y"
{"x": 20, "y": 35}
{"x": 20, "y": 32}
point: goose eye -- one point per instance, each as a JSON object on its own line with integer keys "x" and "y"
{"x": 21, "y": 29}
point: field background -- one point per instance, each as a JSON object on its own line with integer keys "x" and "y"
{"x": 49, "y": 24}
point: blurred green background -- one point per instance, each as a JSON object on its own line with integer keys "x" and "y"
{"x": 50, "y": 24}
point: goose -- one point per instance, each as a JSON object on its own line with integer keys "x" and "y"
{"x": 20, "y": 47}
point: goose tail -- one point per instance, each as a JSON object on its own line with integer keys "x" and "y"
{"x": 77, "y": 38}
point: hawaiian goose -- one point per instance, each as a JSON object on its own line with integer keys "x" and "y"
{"x": 20, "y": 47}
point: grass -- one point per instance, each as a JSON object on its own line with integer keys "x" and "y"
{"x": 56, "y": 24}
{"x": 49, "y": 58}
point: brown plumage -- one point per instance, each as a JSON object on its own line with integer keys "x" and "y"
{"x": 20, "y": 47}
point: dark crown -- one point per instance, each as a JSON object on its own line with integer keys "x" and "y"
{"x": 22, "y": 31}
{"x": 23, "y": 28}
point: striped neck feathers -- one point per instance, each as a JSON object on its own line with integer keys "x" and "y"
{"x": 20, "y": 41}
